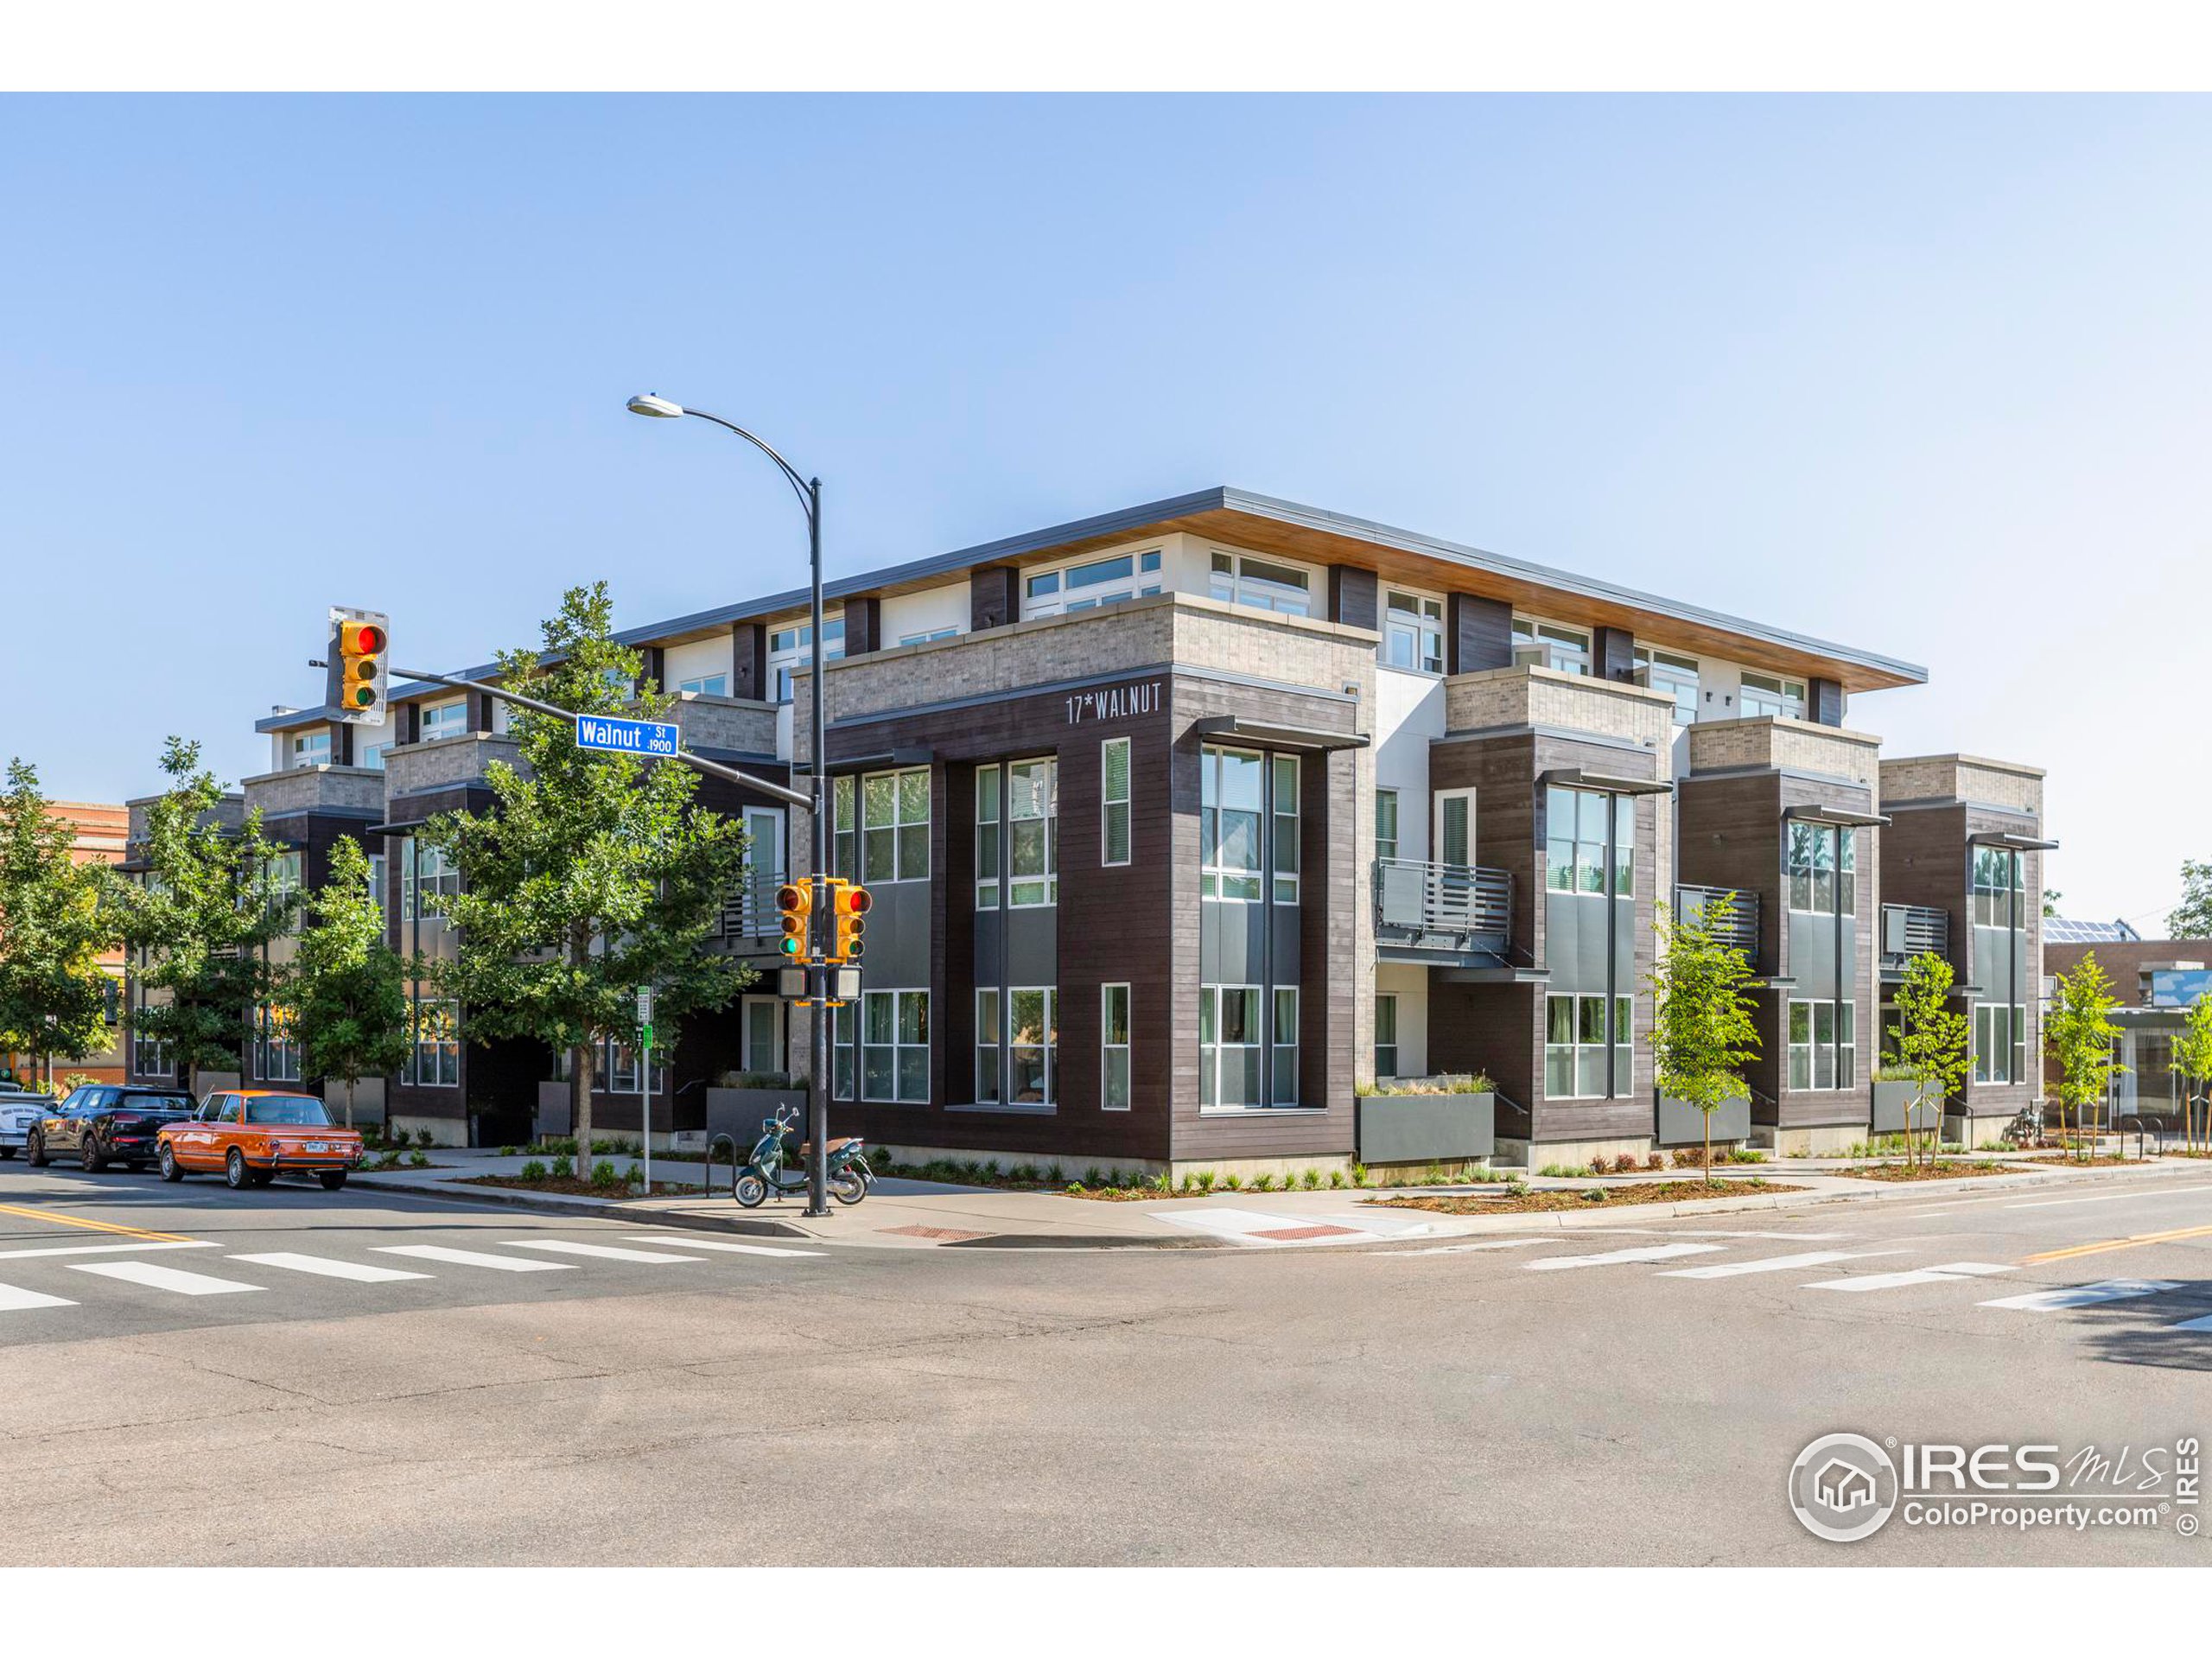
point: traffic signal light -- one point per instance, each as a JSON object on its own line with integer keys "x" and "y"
{"x": 796, "y": 901}
{"x": 849, "y": 907}
{"x": 358, "y": 682}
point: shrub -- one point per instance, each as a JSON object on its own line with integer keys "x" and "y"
{"x": 507, "y": 1152}
{"x": 1232, "y": 1181}
{"x": 1205, "y": 1180}
{"x": 1263, "y": 1183}
{"x": 1359, "y": 1174}
{"x": 1745, "y": 1155}
{"x": 423, "y": 1139}
{"x": 1310, "y": 1179}
{"x": 1336, "y": 1178}
{"x": 533, "y": 1171}
{"x": 1091, "y": 1177}
{"x": 1163, "y": 1182}
{"x": 390, "y": 1160}
{"x": 561, "y": 1168}
{"x": 1053, "y": 1176}
{"x": 1595, "y": 1194}
{"x": 1517, "y": 1188}
{"x": 634, "y": 1176}
{"x": 1021, "y": 1173}
{"x": 602, "y": 1172}
{"x": 1655, "y": 1162}
{"x": 418, "y": 1161}
{"x": 1189, "y": 1182}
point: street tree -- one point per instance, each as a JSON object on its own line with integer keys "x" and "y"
{"x": 2192, "y": 1062}
{"x": 57, "y": 918}
{"x": 1930, "y": 1048}
{"x": 346, "y": 987}
{"x": 211, "y": 902}
{"x": 2192, "y": 917}
{"x": 2078, "y": 1034}
{"x": 591, "y": 876}
{"x": 1703, "y": 1029}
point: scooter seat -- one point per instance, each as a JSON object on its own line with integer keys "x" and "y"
{"x": 842, "y": 1142}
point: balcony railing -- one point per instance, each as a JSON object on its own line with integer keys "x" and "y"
{"x": 749, "y": 909}
{"x": 1442, "y": 906}
{"x": 1743, "y": 928}
{"x": 1910, "y": 931}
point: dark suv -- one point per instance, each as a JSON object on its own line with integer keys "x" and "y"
{"x": 101, "y": 1123}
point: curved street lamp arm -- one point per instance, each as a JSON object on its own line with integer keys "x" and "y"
{"x": 790, "y": 472}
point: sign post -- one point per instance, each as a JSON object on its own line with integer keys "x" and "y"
{"x": 645, "y": 1068}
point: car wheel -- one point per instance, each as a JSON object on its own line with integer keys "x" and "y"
{"x": 171, "y": 1170}
{"x": 88, "y": 1154}
{"x": 236, "y": 1175}
{"x": 34, "y": 1152}
{"x": 332, "y": 1179}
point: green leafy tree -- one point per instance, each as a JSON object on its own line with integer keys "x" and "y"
{"x": 57, "y": 916}
{"x": 2078, "y": 1034}
{"x": 592, "y": 875}
{"x": 2192, "y": 1061}
{"x": 346, "y": 986}
{"x": 2052, "y": 896}
{"x": 2192, "y": 917}
{"x": 204, "y": 916}
{"x": 1703, "y": 1029}
{"x": 1930, "y": 1048}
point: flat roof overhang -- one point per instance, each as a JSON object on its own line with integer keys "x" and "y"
{"x": 1583, "y": 777}
{"x": 1310, "y": 738}
{"x": 2013, "y": 842}
{"x": 1842, "y": 816}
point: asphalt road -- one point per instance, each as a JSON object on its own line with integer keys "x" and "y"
{"x": 1401, "y": 1403}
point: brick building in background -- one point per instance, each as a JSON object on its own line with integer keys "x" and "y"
{"x": 102, "y": 831}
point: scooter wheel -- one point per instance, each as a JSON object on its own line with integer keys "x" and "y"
{"x": 750, "y": 1190}
{"x": 846, "y": 1187}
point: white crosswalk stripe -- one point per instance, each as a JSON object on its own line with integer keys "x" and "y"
{"x": 728, "y": 1245}
{"x": 153, "y": 1276}
{"x": 2105, "y": 1290}
{"x": 2204, "y": 1323}
{"x": 1463, "y": 1250}
{"x": 14, "y": 1298}
{"x": 1774, "y": 1263}
{"x": 1611, "y": 1258}
{"x": 1950, "y": 1273}
{"x": 329, "y": 1267}
{"x": 605, "y": 1252}
{"x": 134, "y": 1248}
{"x": 473, "y": 1258}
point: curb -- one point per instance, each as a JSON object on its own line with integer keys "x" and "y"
{"x": 562, "y": 1204}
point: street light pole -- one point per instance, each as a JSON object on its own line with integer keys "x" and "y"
{"x": 818, "y": 978}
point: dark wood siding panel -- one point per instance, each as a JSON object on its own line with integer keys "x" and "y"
{"x": 1478, "y": 634}
{"x": 994, "y": 596}
{"x": 1354, "y": 597}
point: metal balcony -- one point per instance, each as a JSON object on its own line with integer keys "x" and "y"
{"x": 1743, "y": 929}
{"x": 1454, "y": 909}
{"x": 749, "y": 910}
{"x": 1910, "y": 930}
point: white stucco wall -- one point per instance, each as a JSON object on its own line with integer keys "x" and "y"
{"x": 1408, "y": 717}
{"x": 925, "y": 612}
{"x": 695, "y": 659}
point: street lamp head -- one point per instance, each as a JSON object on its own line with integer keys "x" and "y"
{"x": 648, "y": 403}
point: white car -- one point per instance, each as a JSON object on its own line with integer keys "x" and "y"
{"x": 19, "y": 1109}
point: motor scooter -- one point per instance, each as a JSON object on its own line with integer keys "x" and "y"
{"x": 849, "y": 1175}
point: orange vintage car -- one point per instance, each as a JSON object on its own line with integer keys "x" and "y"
{"x": 253, "y": 1135}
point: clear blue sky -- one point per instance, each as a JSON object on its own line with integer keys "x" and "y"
{"x": 1926, "y": 376}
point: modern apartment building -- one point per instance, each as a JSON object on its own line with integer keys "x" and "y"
{"x": 1184, "y": 822}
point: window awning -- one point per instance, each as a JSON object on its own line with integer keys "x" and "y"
{"x": 1842, "y": 816}
{"x": 880, "y": 760}
{"x": 1309, "y": 738}
{"x": 1581, "y": 778}
{"x": 2012, "y": 841}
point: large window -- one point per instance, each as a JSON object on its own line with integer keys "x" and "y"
{"x": 1551, "y": 644}
{"x": 1262, "y": 583}
{"x": 895, "y": 826}
{"x": 1228, "y": 1045}
{"x": 1114, "y": 1048}
{"x": 276, "y": 1045}
{"x": 1576, "y": 1041}
{"x": 1581, "y": 855}
{"x": 1114, "y": 801}
{"x": 1032, "y": 1045}
{"x": 1386, "y": 1034}
{"x": 1412, "y": 631}
{"x": 436, "y": 1061}
{"x": 444, "y": 719}
{"x": 1823, "y": 1044}
{"x": 2000, "y": 1043}
{"x": 706, "y": 685}
{"x": 428, "y": 878}
{"x": 792, "y": 649}
{"x": 370, "y": 756}
{"x": 1232, "y": 782}
{"x": 1765, "y": 695}
{"x": 1033, "y": 833}
{"x": 311, "y": 748}
{"x": 285, "y": 883}
{"x": 1676, "y": 676}
{"x": 1997, "y": 887}
{"x": 1823, "y": 868}
{"x": 617, "y": 1068}
{"x": 895, "y": 1046}
{"x": 1094, "y": 582}
{"x": 1386, "y": 823}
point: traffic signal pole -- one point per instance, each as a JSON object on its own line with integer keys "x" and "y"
{"x": 817, "y": 1084}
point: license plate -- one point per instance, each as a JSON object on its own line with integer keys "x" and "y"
{"x": 318, "y": 1146}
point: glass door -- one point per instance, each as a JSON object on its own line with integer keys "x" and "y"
{"x": 1453, "y": 829}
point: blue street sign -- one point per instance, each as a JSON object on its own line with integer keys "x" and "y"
{"x": 625, "y": 736}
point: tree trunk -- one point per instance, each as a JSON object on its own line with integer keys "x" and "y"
{"x": 580, "y": 1064}
{"x": 1708, "y": 1149}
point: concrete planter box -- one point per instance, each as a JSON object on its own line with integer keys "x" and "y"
{"x": 1890, "y": 1102}
{"x": 1683, "y": 1125}
{"x": 738, "y": 1113}
{"x": 1425, "y": 1129}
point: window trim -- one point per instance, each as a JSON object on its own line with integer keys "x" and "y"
{"x": 1108, "y": 802}
{"x": 425, "y": 710}
{"x": 1567, "y": 649}
{"x": 1608, "y": 1048}
{"x": 781, "y": 662}
{"x": 897, "y": 828}
{"x": 898, "y": 1047}
{"x": 716, "y": 684}
{"x": 1126, "y": 1048}
{"x": 1397, "y": 823}
{"x": 1385, "y": 999}
{"x": 1778, "y": 689}
{"x": 1050, "y": 1049}
{"x": 1144, "y": 561}
{"x": 1235, "y": 579}
{"x": 1418, "y": 624}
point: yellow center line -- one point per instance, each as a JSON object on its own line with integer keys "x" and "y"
{"x": 85, "y": 1221}
{"x": 2129, "y": 1243}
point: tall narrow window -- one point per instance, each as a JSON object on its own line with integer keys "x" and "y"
{"x": 1114, "y": 1048}
{"x": 844, "y": 848}
{"x": 1228, "y": 1045}
{"x": 1996, "y": 880}
{"x": 1285, "y": 805}
{"x": 1386, "y": 823}
{"x": 1413, "y": 633}
{"x": 895, "y": 826}
{"x": 1114, "y": 800}
{"x": 989, "y": 864}
{"x": 1228, "y": 824}
{"x": 988, "y": 1038}
{"x": 1386, "y": 1034}
{"x": 1031, "y": 1039}
{"x": 895, "y": 1046}
{"x": 844, "y": 1038}
{"x": 1283, "y": 1069}
{"x": 1676, "y": 676}
{"x": 1033, "y": 808}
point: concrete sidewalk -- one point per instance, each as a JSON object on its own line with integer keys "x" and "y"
{"x": 901, "y": 1214}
